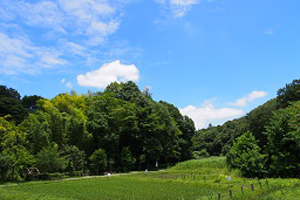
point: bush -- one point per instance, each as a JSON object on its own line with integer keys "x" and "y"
{"x": 245, "y": 156}
{"x": 200, "y": 154}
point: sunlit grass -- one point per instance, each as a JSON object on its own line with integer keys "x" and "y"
{"x": 195, "y": 179}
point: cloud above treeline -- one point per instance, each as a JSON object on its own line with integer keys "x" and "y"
{"x": 208, "y": 113}
{"x": 250, "y": 97}
{"x": 108, "y": 73}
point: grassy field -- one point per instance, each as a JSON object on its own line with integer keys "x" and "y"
{"x": 195, "y": 179}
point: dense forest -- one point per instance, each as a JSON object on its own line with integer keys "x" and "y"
{"x": 123, "y": 129}
{"x": 119, "y": 129}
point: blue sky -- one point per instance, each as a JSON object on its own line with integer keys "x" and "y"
{"x": 214, "y": 59}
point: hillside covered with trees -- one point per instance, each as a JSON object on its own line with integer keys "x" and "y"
{"x": 264, "y": 143}
{"x": 119, "y": 129}
{"x": 123, "y": 129}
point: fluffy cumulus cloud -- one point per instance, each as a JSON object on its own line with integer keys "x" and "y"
{"x": 207, "y": 113}
{"x": 250, "y": 97}
{"x": 178, "y": 8}
{"x": 108, "y": 73}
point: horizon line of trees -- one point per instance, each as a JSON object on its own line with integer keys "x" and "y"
{"x": 119, "y": 129}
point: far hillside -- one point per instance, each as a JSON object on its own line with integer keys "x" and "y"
{"x": 264, "y": 143}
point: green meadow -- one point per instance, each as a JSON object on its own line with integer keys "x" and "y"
{"x": 195, "y": 179}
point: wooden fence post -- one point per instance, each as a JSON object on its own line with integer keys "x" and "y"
{"x": 242, "y": 189}
{"x": 252, "y": 187}
{"x": 230, "y": 193}
{"x": 219, "y": 196}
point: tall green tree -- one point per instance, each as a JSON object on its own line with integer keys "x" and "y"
{"x": 283, "y": 148}
{"x": 10, "y": 104}
{"x": 98, "y": 161}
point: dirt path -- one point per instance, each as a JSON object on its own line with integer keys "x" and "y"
{"x": 68, "y": 179}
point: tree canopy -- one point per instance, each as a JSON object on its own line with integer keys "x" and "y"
{"x": 118, "y": 129}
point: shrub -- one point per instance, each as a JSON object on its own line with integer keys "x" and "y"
{"x": 245, "y": 156}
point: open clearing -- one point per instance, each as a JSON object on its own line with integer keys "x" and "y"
{"x": 196, "y": 179}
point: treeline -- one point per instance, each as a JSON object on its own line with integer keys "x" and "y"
{"x": 264, "y": 143}
{"x": 119, "y": 129}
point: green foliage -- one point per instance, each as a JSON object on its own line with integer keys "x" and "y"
{"x": 10, "y": 104}
{"x": 75, "y": 159}
{"x": 133, "y": 130}
{"x": 245, "y": 156}
{"x": 259, "y": 118}
{"x": 6, "y": 163}
{"x": 37, "y": 129}
{"x": 127, "y": 160}
{"x": 194, "y": 179}
{"x": 30, "y": 102}
{"x": 49, "y": 159}
{"x": 98, "y": 161}
{"x": 211, "y": 162}
{"x": 288, "y": 94}
{"x": 200, "y": 154}
{"x": 217, "y": 140}
{"x": 283, "y": 148}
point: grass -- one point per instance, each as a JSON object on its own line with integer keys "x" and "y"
{"x": 195, "y": 179}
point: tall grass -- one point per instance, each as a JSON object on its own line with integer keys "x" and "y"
{"x": 194, "y": 165}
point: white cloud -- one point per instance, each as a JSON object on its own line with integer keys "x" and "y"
{"x": 89, "y": 18}
{"x": 86, "y": 24}
{"x": 209, "y": 114}
{"x": 44, "y": 14}
{"x": 178, "y": 8}
{"x": 69, "y": 85}
{"x": 63, "y": 80}
{"x": 108, "y": 73}
{"x": 249, "y": 98}
{"x": 19, "y": 55}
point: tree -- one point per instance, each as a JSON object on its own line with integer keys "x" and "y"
{"x": 288, "y": 94}
{"x": 98, "y": 161}
{"x": 283, "y": 148}
{"x": 29, "y": 102}
{"x": 245, "y": 156}
{"x": 75, "y": 158}
{"x": 127, "y": 160}
{"x": 6, "y": 164}
{"x": 10, "y": 104}
{"x": 259, "y": 118}
{"x": 37, "y": 129}
{"x": 49, "y": 159}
